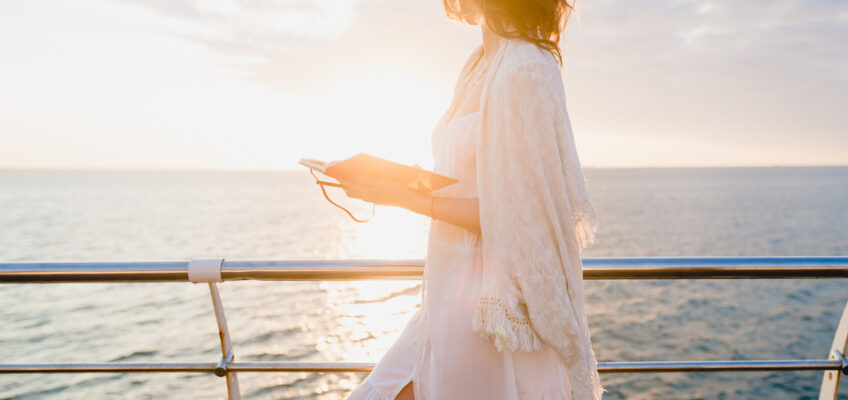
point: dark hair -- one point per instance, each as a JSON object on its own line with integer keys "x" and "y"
{"x": 538, "y": 21}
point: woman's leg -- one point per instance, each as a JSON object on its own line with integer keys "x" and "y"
{"x": 406, "y": 393}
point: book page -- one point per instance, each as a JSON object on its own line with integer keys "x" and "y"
{"x": 314, "y": 164}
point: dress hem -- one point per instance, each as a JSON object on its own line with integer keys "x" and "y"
{"x": 366, "y": 391}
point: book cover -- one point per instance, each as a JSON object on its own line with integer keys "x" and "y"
{"x": 366, "y": 165}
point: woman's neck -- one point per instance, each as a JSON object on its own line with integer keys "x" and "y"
{"x": 491, "y": 41}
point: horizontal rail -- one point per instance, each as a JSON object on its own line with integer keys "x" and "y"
{"x": 600, "y": 268}
{"x": 603, "y": 367}
{"x": 105, "y": 367}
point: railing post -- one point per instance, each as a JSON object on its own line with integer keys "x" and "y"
{"x": 830, "y": 381}
{"x": 226, "y": 345}
{"x": 209, "y": 270}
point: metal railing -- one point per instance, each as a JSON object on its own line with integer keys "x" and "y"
{"x": 299, "y": 270}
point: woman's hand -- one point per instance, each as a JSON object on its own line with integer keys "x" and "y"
{"x": 379, "y": 191}
{"x": 463, "y": 212}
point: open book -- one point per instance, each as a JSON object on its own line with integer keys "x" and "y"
{"x": 365, "y": 165}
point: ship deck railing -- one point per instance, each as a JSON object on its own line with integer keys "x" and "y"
{"x": 215, "y": 270}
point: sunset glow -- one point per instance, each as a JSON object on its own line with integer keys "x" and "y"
{"x": 231, "y": 84}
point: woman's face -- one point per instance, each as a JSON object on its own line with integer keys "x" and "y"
{"x": 471, "y": 12}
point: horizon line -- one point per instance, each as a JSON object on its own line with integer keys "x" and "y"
{"x": 287, "y": 169}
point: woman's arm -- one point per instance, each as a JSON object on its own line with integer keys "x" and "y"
{"x": 463, "y": 212}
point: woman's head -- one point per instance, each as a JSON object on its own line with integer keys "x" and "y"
{"x": 538, "y": 21}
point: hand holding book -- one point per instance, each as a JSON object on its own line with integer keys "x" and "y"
{"x": 380, "y": 191}
{"x": 366, "y": 166}
{"x": 377, "y": 180}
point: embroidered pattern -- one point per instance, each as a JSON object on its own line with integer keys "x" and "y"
{"x": 493, "y": 319}
{"x": 503, "y": 306}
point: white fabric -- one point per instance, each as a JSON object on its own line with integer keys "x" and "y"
{"x": 535, "y": 215}
{"x": 502, "y": 315}
{"x": 437, "y": 350}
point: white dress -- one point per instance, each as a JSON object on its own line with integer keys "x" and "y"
{"x": 438, "y": 350}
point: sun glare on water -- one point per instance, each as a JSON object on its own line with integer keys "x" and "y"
{"x": 371, "y": 314}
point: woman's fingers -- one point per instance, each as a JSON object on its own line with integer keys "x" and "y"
{"x": 352, "y": 189}
{"x": 375, "y": 190}
{"x": 354, "y": 195}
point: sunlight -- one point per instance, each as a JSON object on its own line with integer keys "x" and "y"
{"x": 386, "y": 113}
{"x": 393, "y": 233}
{"x": 369, "y": 317}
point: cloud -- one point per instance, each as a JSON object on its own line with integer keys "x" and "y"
{"x": 252, "y": 18}
{"x": 304, "y": 45}
{"x": 771, "y": 68}
{"x": 769, "y": 75}
{"x": 755, "y": 71}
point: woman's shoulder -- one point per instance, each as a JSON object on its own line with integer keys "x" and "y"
{"x": 527, "y": 74}
{"x": 524, "y": 56}
{"x": 527, "y": 66}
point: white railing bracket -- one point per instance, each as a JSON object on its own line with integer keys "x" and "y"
{"x": 202, "y": 270}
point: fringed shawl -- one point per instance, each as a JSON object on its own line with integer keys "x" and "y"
{"x": 535, "y": 215}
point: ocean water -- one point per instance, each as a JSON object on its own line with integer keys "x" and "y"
{"x": 178, "y": 215}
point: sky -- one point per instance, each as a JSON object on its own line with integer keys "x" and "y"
{"x": 243, "y": 84}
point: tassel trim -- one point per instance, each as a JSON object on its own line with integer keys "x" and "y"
{"x": 493, "y": 320}
{"x": 594, "y": 378}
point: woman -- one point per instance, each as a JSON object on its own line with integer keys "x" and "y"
{"x": 502, "y": 312}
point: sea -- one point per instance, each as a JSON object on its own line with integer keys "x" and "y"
{"x": 168, "y": 215}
